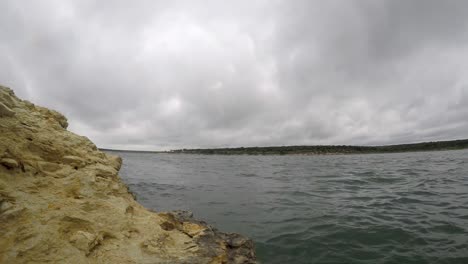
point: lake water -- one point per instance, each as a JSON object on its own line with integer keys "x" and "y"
{"x": 379, "y": 208}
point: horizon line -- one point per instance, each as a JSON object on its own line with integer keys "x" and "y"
{"x": 279, "y": 146}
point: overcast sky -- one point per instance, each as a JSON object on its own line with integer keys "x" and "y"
{"x": 170, "y": 74}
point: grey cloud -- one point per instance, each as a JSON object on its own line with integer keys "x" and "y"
{"x": 399, "y": 27}
{"x": 159, "y": 74}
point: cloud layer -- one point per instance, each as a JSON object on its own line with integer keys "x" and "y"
{"x": 171, "y": 74}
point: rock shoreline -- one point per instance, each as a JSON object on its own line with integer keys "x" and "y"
{"x": 62, "y": 201}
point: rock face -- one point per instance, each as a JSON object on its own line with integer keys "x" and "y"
{"x": 62, "y": 201}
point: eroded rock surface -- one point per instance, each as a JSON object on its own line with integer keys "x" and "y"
{"x": 62, "y": 201}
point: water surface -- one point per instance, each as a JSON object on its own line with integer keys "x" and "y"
{"x": 374, "y": 208}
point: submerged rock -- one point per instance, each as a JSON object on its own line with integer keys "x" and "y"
{"x": 62, "y": 201}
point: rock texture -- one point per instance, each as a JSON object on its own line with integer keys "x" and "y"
{"x": 62, "y": 201}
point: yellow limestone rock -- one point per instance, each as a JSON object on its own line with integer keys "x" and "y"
{"x": 62, "y": 201}
{"x": 6, "y": 111}
{"x": 9, "y": 163}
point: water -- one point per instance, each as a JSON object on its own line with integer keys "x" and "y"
{"x": 384, "y": 208}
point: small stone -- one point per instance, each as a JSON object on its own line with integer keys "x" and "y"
{"x": 236, "y": 240}
{"x": 9, "y": 163}
{"x": 182, "y": 215}
{"x": 6, "y": 111}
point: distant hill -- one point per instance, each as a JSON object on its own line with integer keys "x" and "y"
{"x": 330, "y": 149}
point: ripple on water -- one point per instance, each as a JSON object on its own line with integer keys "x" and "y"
{"x": 386, "y": 208}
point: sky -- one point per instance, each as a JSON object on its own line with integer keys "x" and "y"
{"x": 159, "y": 75}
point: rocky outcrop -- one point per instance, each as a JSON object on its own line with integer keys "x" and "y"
{"x": 62, "y": 201}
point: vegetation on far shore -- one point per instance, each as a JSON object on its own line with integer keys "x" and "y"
{"x": 329, "y": 149}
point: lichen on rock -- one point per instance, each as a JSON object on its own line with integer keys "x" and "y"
{"x": 62, "y": 201}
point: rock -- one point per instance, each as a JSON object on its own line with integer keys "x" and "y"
{"x": 104, "y": 171}
{"x": 115, "y": 162}
{"x": 9, "y": 163}
{"x": 182, "y": 215}
{"x": 73, "y": 161}
{"x": 193, "y": 229}
{"x": 6, "y": 111}
{"x": 236, "y": 240}
{"x": 11, "y": 214}
{"x": 62, "y": 201}
{"x": 61, "y": 119}
{"x": 85, "y": 241}
{"x": 5, "y": 206}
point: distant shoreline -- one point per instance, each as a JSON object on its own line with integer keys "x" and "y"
{"x": 318, "y": 149}
{"x": 133, "y": 151}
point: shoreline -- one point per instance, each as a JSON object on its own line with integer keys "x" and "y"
{"x": 62, "y": 200}
{"x": 278, "y": 154}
